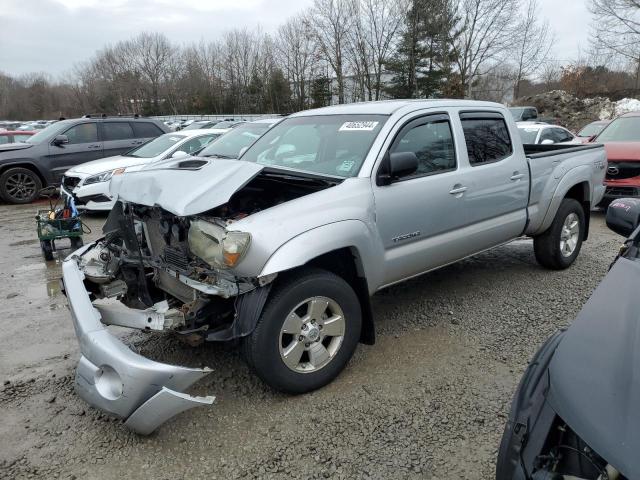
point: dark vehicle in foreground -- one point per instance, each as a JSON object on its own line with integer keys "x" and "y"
{"x": 25, "y": 168}
{"x": 575, "y": 413}
{"x": 621, "y": 139}
{"x": 589, "y": 131}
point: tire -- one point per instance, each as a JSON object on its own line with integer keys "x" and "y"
{"x": 76, "y": 243}
{"x": 20, "y": 185}
{"x": 305, "y": 293}
{"x": 47, "y": 249}
{"x": 549, "y": 248}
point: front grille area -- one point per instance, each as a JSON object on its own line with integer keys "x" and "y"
{"x": 175, "y": 257}
{"x": 618, "y": 170}
{"x": 70, "y": 182}
{"x": 621, "y": 192}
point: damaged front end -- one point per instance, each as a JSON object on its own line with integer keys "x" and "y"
{"x": 142, "y": 275}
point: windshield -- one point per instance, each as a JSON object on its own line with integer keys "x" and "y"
{"x": 328, "y": 144}
{"x": 591, "y": 129}
{"x": 48, "y": 132}
{"x": 230, "y": 144}
{"x": 198, "y": 125}
{"x": 528, "y": 135}
{"x": 623, "y": 129}
{"x": 516, "y": 112}
{"x": 155, "y": 147}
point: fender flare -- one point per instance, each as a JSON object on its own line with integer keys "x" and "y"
{"x": 573, "y": 177}
{"x": 352, "y": 234}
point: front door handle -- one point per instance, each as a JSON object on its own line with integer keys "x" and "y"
{"x": 457, "y": 190}
{"x": 516, "y": 176}
{"x": 93, "y": 147}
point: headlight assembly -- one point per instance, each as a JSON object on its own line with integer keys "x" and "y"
{"x": 102, "y": 177}
{"x": 215, "y": 245}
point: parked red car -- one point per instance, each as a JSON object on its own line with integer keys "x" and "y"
{"x": 14, "y": 136}
{"x": 621, "y": 140}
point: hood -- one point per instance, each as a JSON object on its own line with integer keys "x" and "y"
{"x": 109, "y": 163}
{"x": 595, "y": 372}
{"x": 7, "y": 147}
{"x": 622, "y": 150}
{"x": 185, "y": 186}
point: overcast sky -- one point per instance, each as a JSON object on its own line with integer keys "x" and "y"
{"x": 52, "y": 35}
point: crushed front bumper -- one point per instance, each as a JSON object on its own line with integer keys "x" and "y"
{"x": 113, "y": 378}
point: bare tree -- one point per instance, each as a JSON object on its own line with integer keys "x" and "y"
{"x": 487, "y": 30}
{"x": 617, "y": 29}
{"x": 534, "y": 42}
{"x": 332, "y": 20}
{"x": 295, "y": 46}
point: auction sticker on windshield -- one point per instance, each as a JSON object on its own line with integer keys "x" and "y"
{"x": 358, "y": 126}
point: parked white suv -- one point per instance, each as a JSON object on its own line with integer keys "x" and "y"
{"x": 89, "y": 182}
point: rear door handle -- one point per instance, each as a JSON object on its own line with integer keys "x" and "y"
{"x": 457, "y": 190}
{"x": 516, "y": 176}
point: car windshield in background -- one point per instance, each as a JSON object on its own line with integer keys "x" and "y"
{"x": 334, "y": 145}
{"x": 528, "y": 134}
{"x": 48, "y": 132}
{"x": 155, "y": 147}
{"x": 623, "y": 129}
{"x": 230, "y": 144}
{"x": 591, "y": 129}
{"x": 199, "y": 125}
{"x": 516, "y": 112}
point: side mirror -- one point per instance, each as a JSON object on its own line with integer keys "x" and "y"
{"x": 60, "y": 140}
{"x": 623, "y": 216}
{"x": 179, "y": 154}
{"x": 548, "y": 141}
{"x": 396, "y": 165}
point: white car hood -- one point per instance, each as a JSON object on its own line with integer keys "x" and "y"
{"x": 184, "y": 191}
{"x": 109, "y": 163}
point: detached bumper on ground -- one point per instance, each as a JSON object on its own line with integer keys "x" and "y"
{"x": 113, "y": 378}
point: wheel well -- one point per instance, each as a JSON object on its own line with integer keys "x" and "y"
{"x": 580, "y": 192}
{"x": 346, "y": 263}
{"x": 28, "y": 166}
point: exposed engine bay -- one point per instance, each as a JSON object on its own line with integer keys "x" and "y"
{"x": 179, "y": 267}
{"x": 566, "y": 456}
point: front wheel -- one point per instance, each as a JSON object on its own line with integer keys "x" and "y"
{"x": 307, "y": 332}
{"x": 20, "y": 185}
{"x": 559, "y": 246}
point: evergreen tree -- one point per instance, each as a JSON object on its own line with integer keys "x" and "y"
{"x": 421, "y": 64}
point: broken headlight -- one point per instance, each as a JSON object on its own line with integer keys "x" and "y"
{"x": 213, "y": 244}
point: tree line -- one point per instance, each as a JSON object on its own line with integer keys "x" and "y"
{"x": 337, "y": 51}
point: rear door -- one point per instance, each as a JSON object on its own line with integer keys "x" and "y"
{"x": 145, "y": 131}
{"x": 83, "y": 146}
{"x": 117, "y": 137}
{"x": 496, "y": 182}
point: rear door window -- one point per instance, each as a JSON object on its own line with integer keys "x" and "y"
{"x": 486, "y": 136}
{"x": 116, "y": 131}
{"x": 146, "y": 130}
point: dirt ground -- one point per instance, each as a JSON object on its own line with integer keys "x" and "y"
{"x": 429, "y": 400}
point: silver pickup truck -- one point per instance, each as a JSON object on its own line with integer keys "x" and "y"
{"x": 282, "y": 249}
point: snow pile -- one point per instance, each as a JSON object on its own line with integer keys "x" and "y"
{"x": 621, "y": 107}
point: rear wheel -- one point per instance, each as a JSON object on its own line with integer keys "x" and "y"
{"x": 307, "y": 332}
{"x": 76, "y": 243}
{"x": 559, "y": 246}
{"x": 19, "y": 185}
{"x": 47, "y": 249}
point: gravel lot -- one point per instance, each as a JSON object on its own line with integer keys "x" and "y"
{"x": 429, "y": 400}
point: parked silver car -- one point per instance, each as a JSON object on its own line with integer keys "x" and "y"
{"x": 282, "y": 248}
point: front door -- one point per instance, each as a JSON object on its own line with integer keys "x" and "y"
{"x": 83, "y": 147}
{"x": 419, "y": 217}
